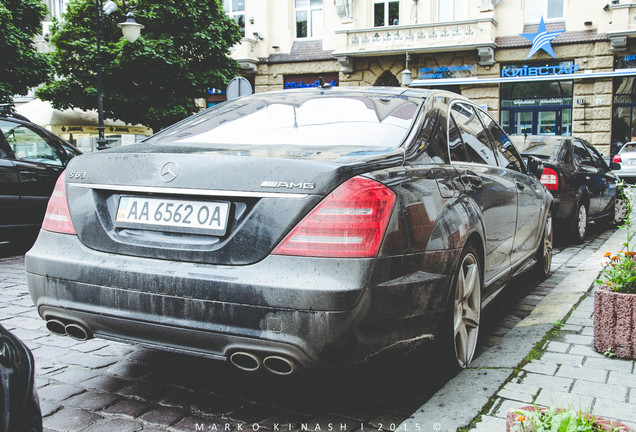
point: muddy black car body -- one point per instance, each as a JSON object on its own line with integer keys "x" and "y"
{"x": 332, "y": 226}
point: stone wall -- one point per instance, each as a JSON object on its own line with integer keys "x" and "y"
{"x": 592, "y": 99}
{"x": 271, "y": 76}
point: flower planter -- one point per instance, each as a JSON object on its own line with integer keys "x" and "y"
{"x": 615, "y": 323}
{"x": 514, "y": 425}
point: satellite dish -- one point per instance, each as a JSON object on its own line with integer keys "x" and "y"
{"x": 238, "y": 87}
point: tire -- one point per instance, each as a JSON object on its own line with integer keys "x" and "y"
{"x": 544, "y": 254}
{"x": 620, "y": 210}
{"x": 464, "y": 312}
{"x": 579, "y": 222}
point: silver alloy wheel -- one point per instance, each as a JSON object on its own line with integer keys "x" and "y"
{"x": 620, "y": 210}
{"x": 467, "y": 309}
{"x": 582, "y": 221}
{"x": 548, "y": 236}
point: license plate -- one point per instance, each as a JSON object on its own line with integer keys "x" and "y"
{"x": 161, "y": 214}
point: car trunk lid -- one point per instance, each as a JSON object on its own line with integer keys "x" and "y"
{"x": 202, "y": 205}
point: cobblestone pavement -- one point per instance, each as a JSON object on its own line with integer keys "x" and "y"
{"x": 99, "y": 385}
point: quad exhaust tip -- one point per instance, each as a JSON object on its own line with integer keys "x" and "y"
{"x": 75, "y": 330}
{"x": 56, "y": 327}
{"x": 246, "y": 361}
{"x": 78, "y": 332}
{"x": 275, "y": 364}
{"x": 279, "y": 365}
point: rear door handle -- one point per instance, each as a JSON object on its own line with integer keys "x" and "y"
{"x": 520, "y": 186}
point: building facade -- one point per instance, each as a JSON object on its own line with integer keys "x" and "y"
{"x": 562, "y": 67}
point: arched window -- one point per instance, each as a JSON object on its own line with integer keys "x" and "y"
{"x": 387, "y": 79}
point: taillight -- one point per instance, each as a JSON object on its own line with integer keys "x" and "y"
{"x": 350, "y": 222}
{"x": 617, "y": 159}
{"x": 58, "y": 217}
{"x": 550, "y": 179}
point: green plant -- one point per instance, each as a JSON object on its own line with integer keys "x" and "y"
{"x": 609, "y": 352}
{"x": 554, "y": 420}
{"x": 619, "y": 273}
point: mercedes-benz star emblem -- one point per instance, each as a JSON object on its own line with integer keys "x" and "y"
{"x": 169, "y": 171}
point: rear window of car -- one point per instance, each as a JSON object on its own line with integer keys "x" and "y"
{"x": 548, "y": 148}
{"x": 299, "y": 119}
{"x": 629, "y": 148}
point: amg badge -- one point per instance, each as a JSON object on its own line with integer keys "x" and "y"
{"x": 287, "y": 185}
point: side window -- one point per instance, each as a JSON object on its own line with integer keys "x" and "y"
{"x": 28, "y": 146}
{"x": 566, "y": 152}
{"x": 596, "y": 157}
{"x": 475, "y": 138}
{"x": 504, "y": 150}
{"x": 456, "y": 147}
{"x": 581, "y": 155}
{"x": 431, "y": 141}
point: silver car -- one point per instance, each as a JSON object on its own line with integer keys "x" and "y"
{"x": 626, "y": 157}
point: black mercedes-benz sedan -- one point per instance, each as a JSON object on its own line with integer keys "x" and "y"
{"x": 303, "y": 228}
{"x": 583, "y": 186}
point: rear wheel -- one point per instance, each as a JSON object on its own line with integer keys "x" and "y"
{"x": 465, "y": 308}
{"x": 544, "y": 254}
{"x": 579, "y": 222}
{"x": 620, "y": 210}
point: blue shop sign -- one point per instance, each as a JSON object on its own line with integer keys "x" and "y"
{"x": 303, "y": 84}
{"x": 440, "y": 72}
{"x": 533, "y": 71}
{"x": 625, "y": 62}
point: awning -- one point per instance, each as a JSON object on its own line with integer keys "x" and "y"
{"x": 499, "y": 80}
{"x": 74, "y": 121}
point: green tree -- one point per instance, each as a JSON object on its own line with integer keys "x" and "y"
{"x": 22, "y": 66}
{"x": 182, "y": 51}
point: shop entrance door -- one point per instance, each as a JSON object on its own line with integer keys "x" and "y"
{"x": 540, "y": 121}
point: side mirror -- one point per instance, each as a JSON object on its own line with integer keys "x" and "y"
{"x": 535, "y": 167}
{"x": 614, "y": 166}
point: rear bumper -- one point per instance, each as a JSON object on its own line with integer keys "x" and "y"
{"x": 318, "y": 312}
{"x": 627, "y": 170}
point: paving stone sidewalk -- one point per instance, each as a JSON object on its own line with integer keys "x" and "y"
{"x": 568, "y": 372}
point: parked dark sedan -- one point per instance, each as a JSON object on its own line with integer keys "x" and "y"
{"x": 19, "y": 402}
{"x": 583, "y": 187}
{"x": 31, "y": 160}
{"x": 303, "y": 228}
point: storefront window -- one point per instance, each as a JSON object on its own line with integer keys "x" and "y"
{"x": 537, "y": 108}
{"x": 452, "y": 10}
{"x": 386, "y": 13}
{"x": 548, "y": 9}
{"x": 624, "y": 115}
{"x": 235, "y": 9}
{"x": 308, "y": 18}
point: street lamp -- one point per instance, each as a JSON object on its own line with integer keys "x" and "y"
{"x": 131, "y": 29}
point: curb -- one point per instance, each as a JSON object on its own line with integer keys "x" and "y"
{"x": 463, "y": 398}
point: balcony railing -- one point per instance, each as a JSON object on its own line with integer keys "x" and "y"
{"x": 414, "y": 38}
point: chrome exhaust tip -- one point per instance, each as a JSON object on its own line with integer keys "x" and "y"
{"x": 245, "y": 361}
{"x": 56, "y": 327}
{"x": 78, "y": 332}
{"x": 279, "y": 365}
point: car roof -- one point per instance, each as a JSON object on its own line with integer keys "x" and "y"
{"x": 415, "y": 93}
